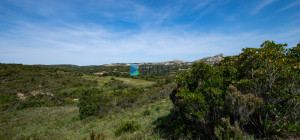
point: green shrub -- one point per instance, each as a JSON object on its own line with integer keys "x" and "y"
{"x": 172, "y": 126}
{"x": 4, "y": 98}
{"x": 93, "y": 102}
{"x": 127, "y": 126}
{"x": 255, "y": 92}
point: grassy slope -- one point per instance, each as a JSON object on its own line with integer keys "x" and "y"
{"x": 26, "y": 78}
{"x": 64, "y": 123}
{"x": 105, "y": 79}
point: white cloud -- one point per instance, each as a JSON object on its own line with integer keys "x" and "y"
{"x": 87, "y": 45}
{"x": 262, "y": 5}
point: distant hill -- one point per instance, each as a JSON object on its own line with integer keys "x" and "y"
{"x": 209, "y": 60}
{"x": 24, "y": 80}
{"x": 122, "y": 69}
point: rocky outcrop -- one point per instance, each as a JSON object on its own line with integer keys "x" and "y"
{"x": 212, "y": 59}
{"x": 21, "y": 96}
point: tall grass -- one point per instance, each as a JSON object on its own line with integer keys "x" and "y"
{"x": 64, "y": 123}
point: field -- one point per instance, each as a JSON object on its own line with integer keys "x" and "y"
{"x": 57, "y": 116}
{"x": 104, "y": 79}
{"x": 64, "y": 123}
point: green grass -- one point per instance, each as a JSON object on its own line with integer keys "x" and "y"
{"x": 64, "y": 123}
{"x": 135, "y": 82}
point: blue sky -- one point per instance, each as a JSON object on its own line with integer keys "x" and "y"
{"x": 95, "y": 32}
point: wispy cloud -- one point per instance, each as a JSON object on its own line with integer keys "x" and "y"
{"x": 262, "y": 5}
{"x": 108, "y": 31}
{"x": 201, "y": 4}
{"x": 96, "y": 45}
{"x": 291, "y": 5}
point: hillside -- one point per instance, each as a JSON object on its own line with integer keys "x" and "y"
{"x": 26, "y": 79}
{"x": 19, "y": 82}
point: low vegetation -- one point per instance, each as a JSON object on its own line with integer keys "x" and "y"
{"x": 64, "y": 123}
{"x": 115, "y": 95}
{"x": 24, "y": 86}
{"x": 127, "y": 126}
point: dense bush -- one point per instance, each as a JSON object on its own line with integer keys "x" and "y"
{"x": 93, "y": 102}
{"x": 255, "y": 92}
{"x": 127, "y": 126}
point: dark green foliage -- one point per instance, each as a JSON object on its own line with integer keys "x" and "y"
{"x": 117, "y": 96}
{"x": 93, "y": 102}
{"x": 127, "y": 126}
{"x": 256, "y": 92}
{"x": 172, "y": 126}
{"x": 4, "y": 98}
